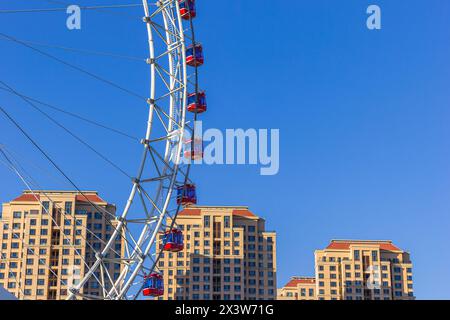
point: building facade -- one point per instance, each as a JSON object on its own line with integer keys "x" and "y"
{"x": 298, "y": 288}
{"x": 363, "y": 270}
{"x": 228, "y": 255}
{"x": 45, "y": 244}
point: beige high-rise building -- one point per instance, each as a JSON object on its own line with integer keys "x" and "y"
{"x": 228, "y": 255}
{"x": 44, "y": 243}
{"x": 298, "y": 288}
{"x": 363, "y": 270}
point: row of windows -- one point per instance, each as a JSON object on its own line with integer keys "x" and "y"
{"x": 251, "y": 273}
{"x": 227, "y": 234}
{"x": 67, "y": 211}
{"x": 375, "y": 275}
{"x": 374, "y": 268}
{"x": 207, "y": 296}
{"x": 196, "y": 269}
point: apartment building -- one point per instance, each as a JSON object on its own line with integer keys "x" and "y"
{"x": 298, "y": 288}
{"x": 227, "y": 255}
{"x": 363, "y": 270}
{"x": 45, "y": 245}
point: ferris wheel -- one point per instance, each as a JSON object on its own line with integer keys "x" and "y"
{"x": 174, "y": 58}
{"x": 161, "y": 187}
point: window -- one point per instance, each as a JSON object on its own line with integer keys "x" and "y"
{"x": 17, "y": 214}
{"x": 356, "y": 255}
{"x": 68, "y": 208}
{"x": 227, "y": 221}
{"x": 45, "y": 206}
{"x": 97, "y": 226}
{"x": 374, "y": 255}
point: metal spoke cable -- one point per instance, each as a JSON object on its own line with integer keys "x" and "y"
{"x": 15, "y": 170}
{"x": 91, "y": 52}
{"x": 93, "y": 205}
{"x": 66, "y": 129}
{"x": 74, "y": 115}
{"x": 22, "y": 178}
{"x": 118, "y": 6}
{"x": 15, "y": 166}
{"x": 8, "y": 116}
{"x": 72, "y": 66}
{"x": 121, "y": 13}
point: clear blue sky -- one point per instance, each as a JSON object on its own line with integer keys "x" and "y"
{"x": 363, "y": 117}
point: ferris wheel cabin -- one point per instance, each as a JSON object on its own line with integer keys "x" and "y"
{"x": 194, "y": 55}
{"x": 173, "y": 240}
{"x": 193, "y": 150}
{"x": 187, "y": 9}
{"x": 153, "y": 285}
{"x": 186, "y": 195}
{"x": 197, "y": 102}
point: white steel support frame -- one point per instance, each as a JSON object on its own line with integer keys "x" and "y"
{"x": 170, "y": 110}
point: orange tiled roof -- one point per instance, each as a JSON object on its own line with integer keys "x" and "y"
{"x": 189, "y": 212}
{"x": 243, "y": 213}
{"x": 90, "y": 197}
{"x": 27, "y": 198}
{"x": 197, "y": 212}
{"x": 295, "y": 281}
{"x": 345, "y": 245}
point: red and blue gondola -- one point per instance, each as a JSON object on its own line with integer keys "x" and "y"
{"x": 187, "y": 9}
{"x": 153, "y": 285}
{"x": 194, "y": 55}
{"x": 173, "y": 240}
{"x": 197, "y": 102}
{"x": 186, "y": 194}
